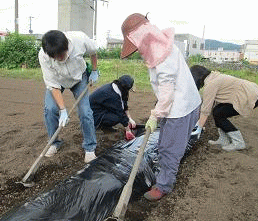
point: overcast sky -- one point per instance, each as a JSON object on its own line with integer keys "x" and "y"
{"x": 225, "y": 20}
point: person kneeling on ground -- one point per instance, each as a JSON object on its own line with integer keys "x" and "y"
{"x": 232, "y": 96}
{"x": 63, "y": 66}
{"x": 110, "y": 105}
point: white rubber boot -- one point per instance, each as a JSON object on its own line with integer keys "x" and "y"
{"x": 238, "y": 142}
{"x": 223, "y": 139}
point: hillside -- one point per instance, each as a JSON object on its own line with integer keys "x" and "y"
{"x": 214, "y": 45}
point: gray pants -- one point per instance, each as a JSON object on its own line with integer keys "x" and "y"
{"x": 173, "y": 139}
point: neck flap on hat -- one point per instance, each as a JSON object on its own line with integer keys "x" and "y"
{"x": 153, "y": 44}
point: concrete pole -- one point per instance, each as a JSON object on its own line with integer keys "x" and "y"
{"x": 16, "y": 20}
{"x": 203, "y": 37}
{"x": 95, "y": 20}
{"x": 30, "y": 30}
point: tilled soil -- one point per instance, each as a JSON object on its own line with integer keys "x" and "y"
{"x": 212, "y": 184}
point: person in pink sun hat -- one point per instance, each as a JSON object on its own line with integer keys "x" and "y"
{"x": 178, "y": 100}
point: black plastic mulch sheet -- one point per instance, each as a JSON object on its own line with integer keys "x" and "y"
{"x": 93, "y": 193}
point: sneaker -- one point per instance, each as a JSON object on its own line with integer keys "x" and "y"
{"x": 154, "y": 194}
{"x": 89, "y": 156}
{"x": 51, "y": 151}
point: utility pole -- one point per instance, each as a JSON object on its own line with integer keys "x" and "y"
{"x": 95, "y": 21}
{"x": 16, "y": 20}
{"x": 30, "y": 31}
{"x": 95, "y": 17}
{"x": 203, "y": 33}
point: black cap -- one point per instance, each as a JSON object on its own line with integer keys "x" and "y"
{"x": 126, "y": 81}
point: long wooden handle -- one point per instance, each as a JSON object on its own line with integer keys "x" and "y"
{"x": 121, "y": 207}
{"x": 35, "y": 165}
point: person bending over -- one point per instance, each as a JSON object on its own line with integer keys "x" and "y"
{"x": 63, "y": 67}
{"x": 225, "y": 96}
{"x": 178, "y": 98}
{"x": 110, "y": 105}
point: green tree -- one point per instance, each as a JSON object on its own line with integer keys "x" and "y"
{"x": 17, "y": 50}
{"x": 195, "y": 59}
{"x": 114, "y": 54}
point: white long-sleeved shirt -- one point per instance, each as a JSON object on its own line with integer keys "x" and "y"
{"x": 66, "y": 74}
{"x": 174, "y": 87}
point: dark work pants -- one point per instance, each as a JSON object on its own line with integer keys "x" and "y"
{"x": 108, "y": 120}
{"x": 222, "y": 112}
{"x": 173, "y": 138}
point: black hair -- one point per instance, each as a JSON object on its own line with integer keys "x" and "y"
{"x": 124, "y": 83}
{"x": 199, "y": 74}
{"x": 54, "y": 43}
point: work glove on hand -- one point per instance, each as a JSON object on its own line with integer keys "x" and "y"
{"x": 132, "y": 123}
{"x": 197, "y": 131}
{"x": 93, "y": 78}
{"x": 152, "y": 122}
{"x": 63, "y": 120}
{"x": 129, "y": 135}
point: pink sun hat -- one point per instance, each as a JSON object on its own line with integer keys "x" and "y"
{"x": 153, "y": 44}
{"x": 131, "y": 23}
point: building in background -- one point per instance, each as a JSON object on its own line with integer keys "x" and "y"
{"x": 76, "y": 15}
{"x": 221, "y": 56}
{"x": 193, "y": 44}
{"x": 250, "y": 51}
{"x": 113, "y": 43}
{"x": 181, "y": 46}
{"x": 187, "y": 44}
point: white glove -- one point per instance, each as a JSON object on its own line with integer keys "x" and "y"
{"x": 63, "y": 120}
{"x": 197, "y": 131}
{"x": 132, "y": 123}
{"x": 94, "y": 77}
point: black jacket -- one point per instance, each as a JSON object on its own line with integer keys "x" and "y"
{"x": 105, "y": 100}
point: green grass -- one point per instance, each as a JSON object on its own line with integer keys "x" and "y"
{"x": 22, "y": 73}
{"x": 109, "y": 71}
{"x": 244, "y": 74}
{"x": 114, "y": 68}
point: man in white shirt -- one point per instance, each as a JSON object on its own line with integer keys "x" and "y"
{"x": 63, "y": 66}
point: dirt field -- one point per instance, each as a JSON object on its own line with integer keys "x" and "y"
{"x": 212, "y": 184}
